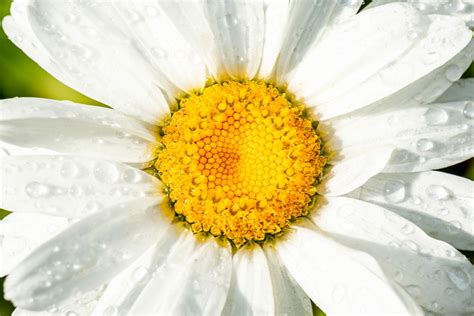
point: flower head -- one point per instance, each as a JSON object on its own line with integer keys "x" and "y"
{"x": 260, "y": 155}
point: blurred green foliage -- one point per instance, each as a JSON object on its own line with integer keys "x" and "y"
{"x": 20, "y": 76}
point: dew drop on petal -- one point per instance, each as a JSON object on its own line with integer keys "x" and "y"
{"x": 36, "y": 190}
{"x": 394, "y": 191}
{"x": 436, "y": 116}
{"x": 453, "y": 73}
{"x": 407, "y": 229}
{"x": 111, "y": 311}
{"x": 106, "y": 172}
{"x": 131, "y": 176}
{"x": 410, "y": 244}
{"x": 460, "y": 278}
{"x": 71, "y": 313}
{"x": 413, "y": 290}
{"x": 69, "y": 169}
{"x": 438, "y": 192}
{"x": 469, "y": 110}
{"x": 139, "y": 274}
{"x": 424, "y": 144}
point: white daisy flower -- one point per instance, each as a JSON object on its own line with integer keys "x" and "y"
{"x": 261, "y": 154}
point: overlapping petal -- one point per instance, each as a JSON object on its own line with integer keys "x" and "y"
{"x": 407, "y": 48}
{"x": 250, "y": 290}
{"x": 68, "y": 186}
{"x": 434, "y": 273}
{"x": 338, "y": 279}
{"x": 23, "y": 233}
{"x": 439, "y": 203}
{"x": 70, "y": 128}
{"x": 88, "y": 254}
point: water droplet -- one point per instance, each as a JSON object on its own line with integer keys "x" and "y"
{"x": 453, "y": 73}
{"x": 416, "y": 200}
{"x": 451, "y": 253}
{"x": 394, "y": 191}
{"x": 460, "y": 278}
{"x": 424, "y": 144}
{"x": 132, "y": 176}
{"x": 71, "y": 313}
{"x": 435, "y": 305}
{"x": 413, "y": 290}
{"x": 106, "y": 172}
{"x": 454, "y": 227}
{"x": 438, "y": 192}
{"x": 469, "y": 110}
{"x": 339, "y": 293}
{"x": 407, "y": 229}
{"x": 436, "y": 116}
{"x": 394, "y": 244}
{"x": 70, "y": 18}
{"x": 92, "y": 206}
{"x": 36, "y": 190}
{"x": 69, "y": 169}
{"x": 410, "y": 244}
{"x": 111, "y": 311}
{"x": 140, "y": 274}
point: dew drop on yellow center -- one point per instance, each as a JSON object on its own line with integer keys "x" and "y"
{"x": 240, "y": 161}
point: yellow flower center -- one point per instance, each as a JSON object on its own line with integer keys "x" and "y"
{"x": 240, "y": 161}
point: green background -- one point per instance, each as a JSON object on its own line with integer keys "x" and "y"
{"x": 20, "y": 76}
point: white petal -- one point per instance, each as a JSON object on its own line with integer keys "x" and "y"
{"x": 186, "y": 15}
{"x": 70, "y": 128}
{"x": 85, "y": 256}
{"x": 463, "y": 89}
{"x": 194, "y": 279}
{"x": 69, "y": 187}
{"x": 307, "y": 23}
{"x": 414, "y": 53}
{"x": 91, "y": 49}
{"x": 434, "y": 273}
{"x": 439, "y": 203}
{"x": 328, "y": 71}
{"x": 288, "y": 296}
{"x": 339, "y": 280}
{"x": 20, "y": 234}
{"x": 124, "y": 289}
{"x": 352, "y": 169}
{"x": 460, "y": 8}
{"x": 427, "y": 136}
{"x": 163, "y": 46}
{"x": 276, "y": 15}
{"x": 7, "y": 149}
{"x": 238, "y": 28}
{"x": 251, "y": 286}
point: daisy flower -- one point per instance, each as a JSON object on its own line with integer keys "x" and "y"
{"x": 258, "y": 155}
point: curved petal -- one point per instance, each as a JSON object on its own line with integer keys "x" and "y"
{"x": 338, "y": 279}
{"x": 408, "y": 54}
{"x": 307, "y": 24}
{"x": 91, "y": 49}
{"x": 70, "y": 128}
{"x": 87, "y": 255}
{"x": 194, "y": 279}
{"x": 439, "y": 203}
{"x": 238, "y": 28}
{"x": 251, "y": 286}
{"x": 460, "y": 8}
{"x": 289, "y": 298}
{"x": 426, "y": 136}
{"x": 434, "y": 273}
{"x": 21, "y": 234}
{"x": 276, "y": 14}
{"x": 124, "y": 289}
{"x": 350, "y": 169}
{"x": 69, "y": 187}
{"x": 463, "y": 89}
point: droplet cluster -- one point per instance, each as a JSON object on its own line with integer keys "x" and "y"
{"x": 240, "y": 161}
